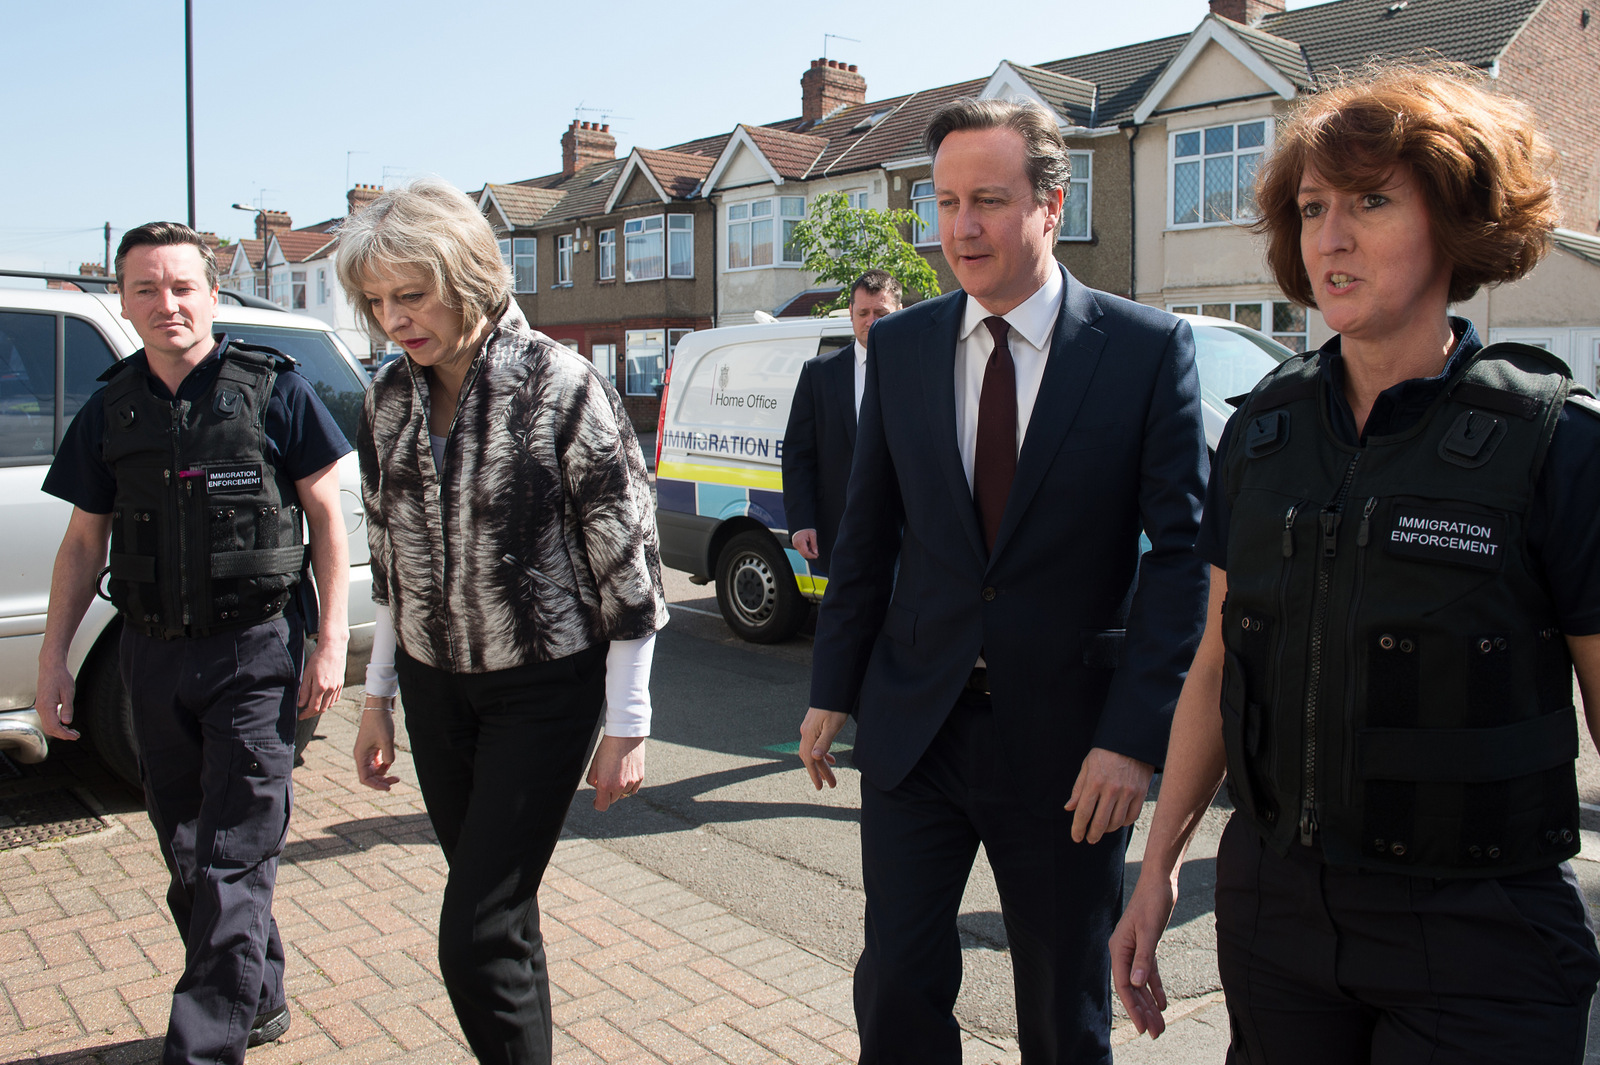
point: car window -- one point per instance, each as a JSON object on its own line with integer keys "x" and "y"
{"x": 27, "y": 386}
{"x": 88, "y": 356}
{"x": 1229, "y": 364}
{"x": 335, "y": 381}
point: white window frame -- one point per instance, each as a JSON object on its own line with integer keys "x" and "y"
{"x": 627, "y": 381}
{"x": 642, "y": 230}
{"x": 1082, "y": 175}
{"x": 524, "y": 265}
{"x": 604, "y": 357}
{"x": 674, "y": 336}
{"x": 564, "y": 260}
{"x": 926, "y": 236}
{"x": 322, "y": 286}
{"x": 856, "y": 198}
{"x": 606, "y": 264}
{"x": 280, "y": 287}
{"x": 680, "y": 226}
{"x": 1235, "y": 214}
{"x": 1267, "y": 314}
{"x": 773, "y": 210}
{"x": 297, "y": 290}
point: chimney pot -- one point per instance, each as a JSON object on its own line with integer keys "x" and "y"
{"x": 584, "y": 143}
{"x": 828, "y": 86}
{"x": 852, "y": 68}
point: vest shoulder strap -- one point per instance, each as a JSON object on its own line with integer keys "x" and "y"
{"x": 260, "y": 354}
{"x": 1293, "y": 381}
{"x": 1519, "y": 380}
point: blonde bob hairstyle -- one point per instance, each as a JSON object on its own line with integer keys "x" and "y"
{"x": 1484, "y": 170}
{"x": 430, "y": 226}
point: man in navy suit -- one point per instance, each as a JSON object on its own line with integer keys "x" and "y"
{"x": 1016, "y": 674}
{"x": 822, "y": 425}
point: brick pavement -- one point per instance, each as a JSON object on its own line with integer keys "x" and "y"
{"x": 642, "y": 970}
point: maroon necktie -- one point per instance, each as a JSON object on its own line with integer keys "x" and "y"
{"x": 994, "y": 462}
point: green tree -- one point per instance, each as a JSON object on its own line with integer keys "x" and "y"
{"x": 840, "y": 243}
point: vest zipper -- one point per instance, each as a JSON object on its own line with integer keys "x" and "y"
{"x": 1363, "y": 537}
{"x": 182, "y": 511}
{"x": 1330, "y": 518}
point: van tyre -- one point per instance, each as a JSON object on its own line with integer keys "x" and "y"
{"x": 756, "y": 590}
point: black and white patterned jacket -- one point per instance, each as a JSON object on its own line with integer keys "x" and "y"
{"x": 540, "y": 538}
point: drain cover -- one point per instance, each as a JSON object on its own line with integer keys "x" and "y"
{"x": 44, "y": 816}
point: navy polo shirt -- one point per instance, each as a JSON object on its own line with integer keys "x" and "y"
{"x": 302, "y": 438}
{"x": 1563, "y": 524}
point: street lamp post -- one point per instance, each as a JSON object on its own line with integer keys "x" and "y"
{"x": 261, "y": 230}
{"x": 188, "y": 78}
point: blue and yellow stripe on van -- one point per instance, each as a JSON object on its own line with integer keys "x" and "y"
{"x": 724, "y": 492}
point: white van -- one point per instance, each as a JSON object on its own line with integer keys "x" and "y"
{"x": 719, "y": 455}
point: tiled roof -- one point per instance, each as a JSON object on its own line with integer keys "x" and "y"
{"x": 1073, "y": 98}
{"x": 710, "y": 147}
{"x": 680, "y": 174}
{"x": 252, "y": 251}
{"x": 791, "y": 154}
{"x": 584, "y": 194}
{"x": 323, "y": 227}
{"x": 802, "y": 305}
{"x": 523, "y": 205}
{"x": 900, "y": 134}
{"x": 297, "y": 245}
{"x": 1122, "y": 75}
{"x": 1288, "y": 57}
{"x": 548, "y": 181}
{"x": 1344, "y": 34}
{"x": 1583, "y": 245}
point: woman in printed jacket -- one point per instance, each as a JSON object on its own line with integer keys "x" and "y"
{"x": 518, "y": 580}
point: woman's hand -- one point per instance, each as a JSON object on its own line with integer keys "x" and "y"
{"x": 375, "y": 749}
{"x": 1133, "y": 953}
{"x": 617, "y": 769}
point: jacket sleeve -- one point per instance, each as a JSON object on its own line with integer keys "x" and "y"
{"x": 1168, "y": 610}
{"x": 800, "y": 454}
{"x": 608, "y": 488}
{"x": 862, "y": 578}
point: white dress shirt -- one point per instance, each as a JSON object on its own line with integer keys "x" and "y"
{"x": 1033, "y": 323}
{"x": 861, "y": 375}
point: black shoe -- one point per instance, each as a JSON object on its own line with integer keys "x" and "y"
{"x": 269, "y": 1027}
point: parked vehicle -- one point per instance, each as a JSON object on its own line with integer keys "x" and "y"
{"x": 53, "y": 347}
{"x": 719, "y": 454}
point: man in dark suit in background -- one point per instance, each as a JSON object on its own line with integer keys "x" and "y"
{"x": 1016, "y": 675}
{"x": 822, "y": 425}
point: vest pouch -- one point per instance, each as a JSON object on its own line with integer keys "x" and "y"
{"x": 1242, "y": 739}
{"x": 131, "y": 580}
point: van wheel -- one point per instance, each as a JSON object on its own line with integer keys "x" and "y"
{"x": 756, "y": 590}
{"x": 105, "y": 714}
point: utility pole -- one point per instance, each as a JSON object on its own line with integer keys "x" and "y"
{"x": 108, "y": 249}
{"x": 188, "y": 78}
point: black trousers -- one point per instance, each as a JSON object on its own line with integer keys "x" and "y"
{"x": 499, "y": 756}
{"x": 214, "y": 720}
{"x": 1330, "y": 966}
{"x": 1059, "y": 900}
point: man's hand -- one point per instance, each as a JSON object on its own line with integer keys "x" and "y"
{"x": 374, "y": 751}
{"x": 805, "y": 542}
{"x": 816, "y": 736}
{"x": 1108, "y": 794}
{"x": 323, "y": 678}
{"x": 1133, "y": 953}
{"x": 55, "y": 689}
{"x": 617, "y": 769}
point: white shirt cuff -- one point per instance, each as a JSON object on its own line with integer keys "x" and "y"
{"x": 382, "y": 680}
{"x": 628, "y": 686}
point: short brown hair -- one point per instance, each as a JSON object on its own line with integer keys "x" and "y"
{"x": 1044, "y": 153}
{"x": 166, "y": 234}
{"x": 432, "y": 226}
{"x": 1483, "y": 168}
{"x": 876, "y": 281}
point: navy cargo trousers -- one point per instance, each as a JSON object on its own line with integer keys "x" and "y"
{"x": 214, "y": 718}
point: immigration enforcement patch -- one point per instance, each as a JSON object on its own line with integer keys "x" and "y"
{"x": 221, "y": 480}
{"x": 1443, "y": 534}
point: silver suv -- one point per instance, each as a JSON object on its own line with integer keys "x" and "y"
{"x": 53, "y": 346}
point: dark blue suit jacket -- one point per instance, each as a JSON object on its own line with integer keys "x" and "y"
{"x": 817, "y": 447}
{"x": 1086, "y": 642}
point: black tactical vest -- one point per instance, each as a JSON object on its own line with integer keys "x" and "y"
{"x": 202, "y": 538}
{"x": 1395, "y": 686}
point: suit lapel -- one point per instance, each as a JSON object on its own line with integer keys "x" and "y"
{"x": 1075, "y": 351}
{"x": 937, "y": 355}
{"x": 842, "y": 383}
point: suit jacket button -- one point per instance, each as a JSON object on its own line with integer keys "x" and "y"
{"x": 988, "y": 595}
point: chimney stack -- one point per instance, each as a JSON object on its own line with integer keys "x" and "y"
{"x": 828, "y": 86}
{"x": 584, "y": 143}
{"x": 361, "y": 195}
{"x": 1246, "y": 12}
{"x": 270, "y": 222}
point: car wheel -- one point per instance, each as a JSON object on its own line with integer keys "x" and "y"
{"x": 756, "y": 591}
{"x": 105, "y": 714}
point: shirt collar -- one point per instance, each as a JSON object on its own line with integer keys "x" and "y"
{"x": 861, "y": 353}
{"x": 1397, "y": 407}
{"x": 1034, "y": 318}
{"x": 196, "y": 380}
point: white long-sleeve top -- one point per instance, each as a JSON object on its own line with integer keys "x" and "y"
{"x": 627, "y": 676}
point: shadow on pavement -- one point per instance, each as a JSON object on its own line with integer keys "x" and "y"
{"x": 353, "y": 837}
{"x": 137, "y": 1052}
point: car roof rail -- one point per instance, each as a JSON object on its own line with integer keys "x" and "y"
{"x": 244, "y": 299}
{"x": 87, "y": 282}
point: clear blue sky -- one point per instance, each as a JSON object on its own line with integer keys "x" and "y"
{"x": 93, "y": 91}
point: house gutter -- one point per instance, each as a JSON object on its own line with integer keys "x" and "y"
{"x": 1132, "y": 131}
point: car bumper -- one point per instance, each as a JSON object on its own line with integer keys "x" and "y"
{"x": 22, "y": 737}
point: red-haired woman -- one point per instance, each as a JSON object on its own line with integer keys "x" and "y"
{"x": 1404, "y": 529}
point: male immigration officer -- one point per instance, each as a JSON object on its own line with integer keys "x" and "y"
{"x": 822, "y": 425}
{"x": 196, "y": 462}
{"x": 1016, "y": 677}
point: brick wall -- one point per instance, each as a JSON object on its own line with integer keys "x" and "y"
{"x": 1554, "y": 66}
